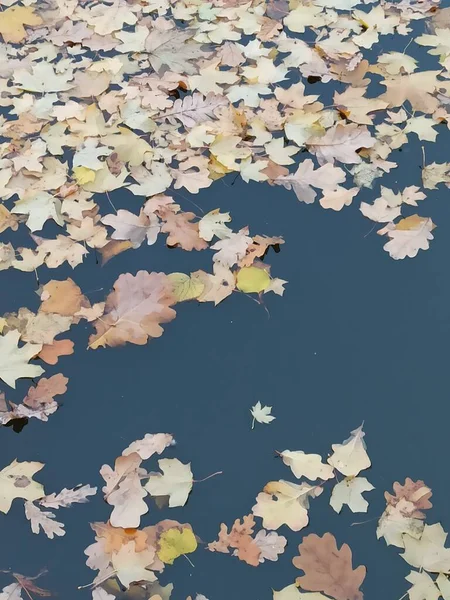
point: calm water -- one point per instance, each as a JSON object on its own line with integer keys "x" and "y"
{"x": 357, "y": 336}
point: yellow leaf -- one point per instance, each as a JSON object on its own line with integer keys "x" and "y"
{"x": 185, "y": 288}
{"x": 173, "y": 543}
{"x": 252, "y": 279}
{"x": 12, "y": 21}
{"x": 84, "y": 175}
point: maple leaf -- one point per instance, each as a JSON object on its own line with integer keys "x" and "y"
{"x": 261, "y": 414}
{"x": 428, "y": 552}
{"x": 129, "y": 226}
{"x": 423, "y": 587}
{"x": 194, "y": 109}
{"x": 417, "y": 88}
{"x": 39, "y": 209}
{"x": 328, "y": 569}
{"x": 435, "y": 173}
{"x": 213, "y": 224}
{"x": 14, "y": 361}
{"x": 380, "y": 211}
{"x": 134, "y": 310}
{"x": 44, "y": 519}
{"x": 326, "y": 177}
{"x": 12, "y": 21}
{"x": 282, "y": 502}
{"x": 168, "y": 50}
{"x": 350, "y": 457}
{"x": 340, "y": 143}
{"x": 356, "y": 106}
{"x": 307, "y": 465}
{"x": 349, "y": 491}
{"x": 408, "y": 236}
{"x": 67, "y": 497}
{"x": 43, "y": 78}
{"x": 59, "y": 250}
{"x": 17, "y": 482}
{"x": 175, "y": 482}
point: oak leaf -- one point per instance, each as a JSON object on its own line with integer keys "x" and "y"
{"x": 66, "y": 497}
{"x": 151, "y": 443}
{"x": 412, "y": 491}
{"x": 194, "y": 109}
{"x": 135, "y": 310}
{"x": 43, "y": 519}
{"x": 302, "y": 182}
{"x": 240, "y": 540}
{"x": 50, "y": 353}
{"x": 408, "y": 236}
{"x": 134, "y": 228}
{"x": 181, "y": 231}
{"x": 328, "y": 569}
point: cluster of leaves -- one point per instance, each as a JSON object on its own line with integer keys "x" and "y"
{"x": 129, "y": 556}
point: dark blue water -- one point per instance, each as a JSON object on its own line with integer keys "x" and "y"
{"x": 356, "y": 337}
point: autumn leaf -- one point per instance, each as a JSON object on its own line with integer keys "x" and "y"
{"x": 194, "y": 109}
{"x": 128, "y": 226}
{"x": 43, "y": 519}
{"x": 307, "y": 465}
{"x": 351, "y": 457}
{"x": 175, "y": 481}
{"x": 14, "y": 360}
{"x": 415, "y": 492}
{"x": 134, "y": 311}
{"x": 261, "y": 414}
{"x": 50, "y": 353}
{"x": 240, "y": 540}
{"x": 328, "y": 569}
{"x": 16, "y": 481}
{"x": 340, "y": 143}
{"x": 349, "y": 491}
{"x": 282, "y": 502}
{"x": 326, "y": 177}
{"x": 252, "y": 280}
{"x": 428, "y": 552}
{"x": 408, "y": 236}
{"x": 12, "y": 21}
{"x": 176, "y": 542}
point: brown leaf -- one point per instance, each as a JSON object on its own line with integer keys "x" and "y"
{"x": 258, "y": 248}
{"x": 328, "y": 569}
{"x": 113, "y": 248}
{"x": 181, "y": 231}
{"x": 240, "y": 538}
{"x": 45, "y": 391}
{"x": 135, "y": 310}
{"x": 51, "y": 352}
{"x": 415, "y": 492}
{"x": 62, "y": 298}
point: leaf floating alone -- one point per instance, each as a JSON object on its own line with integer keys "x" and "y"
{"x": 328, "y": 569}
{"x": 261, "y": 414}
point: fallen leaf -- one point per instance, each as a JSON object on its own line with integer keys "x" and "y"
{"x": 349, "y": 491}
{"x": 350, "y": 457}
{"x": 307, "y": 465}
{"x": 328, "y": 569}
{"x": 175, "y": 482}
{"x": 261, "y": 414}
{"x": 16, "y": 482}
{"x": 14, "y": 361}
{"x": 43, "y": 519}
{"x": 176, "y": 542}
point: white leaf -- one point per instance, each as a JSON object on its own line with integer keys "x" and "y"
{"x": 348, "y": 491}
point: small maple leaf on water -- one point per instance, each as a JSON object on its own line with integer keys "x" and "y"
{"x": 261, "y": 414}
